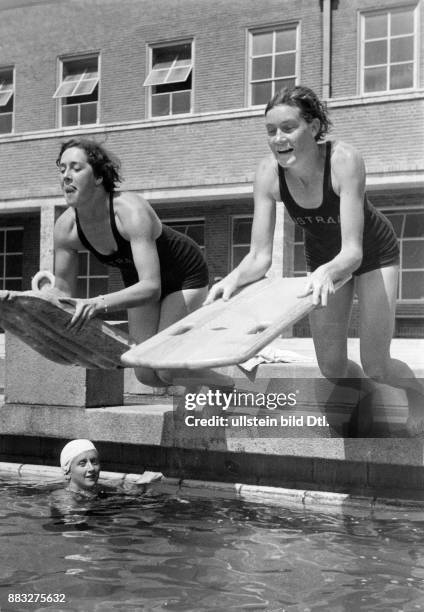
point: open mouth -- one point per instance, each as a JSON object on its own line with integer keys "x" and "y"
{"x": 284, "y": 151}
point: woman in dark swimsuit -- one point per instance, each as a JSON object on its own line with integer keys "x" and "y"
{"x": 322, "y": 185}
{"x": 164, "y": 273}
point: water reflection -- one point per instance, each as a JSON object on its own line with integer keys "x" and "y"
{"x": 168, "y": 553}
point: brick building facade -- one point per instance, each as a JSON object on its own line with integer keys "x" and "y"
{"x": 176, "y": 88}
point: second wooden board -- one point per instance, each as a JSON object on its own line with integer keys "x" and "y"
{"x": 226, "y": 333}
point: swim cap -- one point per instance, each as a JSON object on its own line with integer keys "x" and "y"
{"x": 72, "y": 450}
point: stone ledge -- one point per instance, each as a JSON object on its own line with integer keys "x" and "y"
{"x": 297, "y": 498}
{"x": 247, "y": 430}
{"x": 140, "y": 435}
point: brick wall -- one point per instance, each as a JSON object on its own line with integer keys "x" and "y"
{"x": 181, "y": 154}
{"x": 382, "y": 132}
{"x": 121, "y": 30}
{"x": 177, "y": 153}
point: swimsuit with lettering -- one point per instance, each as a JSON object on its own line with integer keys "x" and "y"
{"x": 322, "y": 231}
{"x": 182, "y": 265}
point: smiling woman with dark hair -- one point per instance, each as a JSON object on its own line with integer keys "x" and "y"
{"x": 322, "y": 185}
{"x": 164, "y": 273}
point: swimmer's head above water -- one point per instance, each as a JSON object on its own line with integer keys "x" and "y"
{"x": 80, "y": 463}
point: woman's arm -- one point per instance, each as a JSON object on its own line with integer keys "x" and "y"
{"x": 257, "y": 262}
{"x": 66, "y": 257}
{"x": 349, "y": 174}
{"x": 139, "y": 226}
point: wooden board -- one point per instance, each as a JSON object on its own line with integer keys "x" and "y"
{"x": 226, "y": 333}
{"x": 40, "y": 320}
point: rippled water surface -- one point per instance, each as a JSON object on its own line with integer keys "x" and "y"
{"x": 170, "y": 553}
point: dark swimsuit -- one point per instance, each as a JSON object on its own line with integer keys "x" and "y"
{"x": 322, "y": 230}
{"x": 181, "y": 261}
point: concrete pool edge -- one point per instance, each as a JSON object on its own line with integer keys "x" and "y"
{"x": 280, "y": 496}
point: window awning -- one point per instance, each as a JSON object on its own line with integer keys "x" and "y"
{"x": 6, "y": 92}
{"x": 163, "y": 73}
{"x": 80, "y": 84}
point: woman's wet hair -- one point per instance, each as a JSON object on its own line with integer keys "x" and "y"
{"x": 104, "y": 164}
{"x": 308, "y": 103}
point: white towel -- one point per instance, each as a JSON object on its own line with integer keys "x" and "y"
{"x": 273, "y": 354}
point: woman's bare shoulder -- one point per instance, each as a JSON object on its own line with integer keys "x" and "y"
{"x": 135, "y": 214}
{"x": 64, "y": 229}
{"x": 344, "y": 153}
{"x": 347, "y": 166}
{"x": 267, "y": 175}
{"x": 268, "y": 165}
{"x": 129, "y": 204}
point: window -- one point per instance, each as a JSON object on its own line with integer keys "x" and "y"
{"x": 194, "y": 228}
{"x": 409, "y": 228}
{"x": 6, "y": 100}
{"x": 273, "y": 62}
{"x": 388, "y": 50}
{"x": 170, "y": 80}
{"x": 78, "y": 91}
{"x": 11, "y": 258}
{"x": 240, "y": 244}
{"x": 92, "y": 276}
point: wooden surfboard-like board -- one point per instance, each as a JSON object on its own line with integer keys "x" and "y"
{"x": 226, "y": 333}
{"x": 40, "y": 320}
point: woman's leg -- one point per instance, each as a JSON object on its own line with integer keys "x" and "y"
{"x": 147, "y": 320}
{"x": 329, "y": 327}
{"x": 179, "y": 304}
{"x": 377, "y": 291}
{"x": 174, "y": 307}
{"x": 143, "y": 323}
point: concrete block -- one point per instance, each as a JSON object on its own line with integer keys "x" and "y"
{"x": 32, "y": 379}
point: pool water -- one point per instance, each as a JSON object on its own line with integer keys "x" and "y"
{"x": 163, "y": 552}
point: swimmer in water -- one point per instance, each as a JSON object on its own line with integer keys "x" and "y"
{"x": 80, "y": 464}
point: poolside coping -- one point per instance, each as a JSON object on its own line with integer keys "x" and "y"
{"x": 323, "y": 501}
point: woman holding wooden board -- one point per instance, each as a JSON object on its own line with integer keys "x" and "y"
{"x": 164, "y": 274}
{"x": 322, "y": 184}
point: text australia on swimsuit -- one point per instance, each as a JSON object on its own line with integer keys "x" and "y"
{"x": 304, "y": 220}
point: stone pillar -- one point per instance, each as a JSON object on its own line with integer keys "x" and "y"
{"x": 47, "y": 219}
{"x": 283, "y": 250}
{"x": 283, "y": 246}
